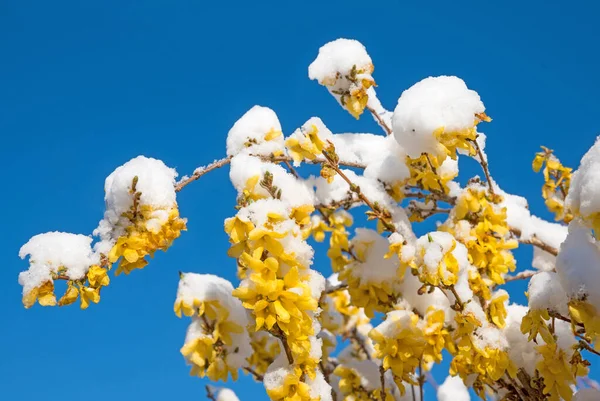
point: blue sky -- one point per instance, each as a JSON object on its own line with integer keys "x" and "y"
{"x": 85, "y": 86}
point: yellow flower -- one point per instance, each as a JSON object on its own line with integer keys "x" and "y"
{"x": 585, "y": 313}
{"x": 435, "y": 334}
{"x": 43, "y": 294}
{"x": 496, "y": 309}
{"x": 402, "y": 352}
{"x": 98, "y": 276}
{"x": 292, "y": 389}
{"x": 307, "y": 145}
{"x": 556, "y": 372}
{"x": 534, "y": 323}
{"x": 88, "y": 295}
{"x": 70, "y": 296}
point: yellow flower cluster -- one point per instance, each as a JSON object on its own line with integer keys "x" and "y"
{"x": 352, "y": 389}
{"x": 556, "y": 368}
{"x": 354, "y": 98}
{"x": 558, "y": 372}
{"x": 424, "y": 174}
{"x": 338, "y": 304}
{"x": 486, "y": 242}
{"x": 207, "y": 351}
{"x": 275, "y": 286}
{"x": 143, "y": 237}
{"x": 557, "y": 180}
{"x": 487, "y": 363}
{"x": 339, "y": 245}
{"x": 584, "y": 313}
{"x": 437, "y": 337}
{"x": 265, "y": 349}
{"x": 401, "y": 345}
{"x": 305, "y": 146}
{"x": 292, "y": 388}
{"x": 86, "y": 289}
{"x": 372, "y": 295}
{"x": 446, "y": 272}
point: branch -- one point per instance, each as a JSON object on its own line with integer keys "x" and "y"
{"x": 484, "y": 166}
{"x": 209, "y": 393}
{"x": 521, "y": 276}
{"x": 225, "y": 161}
{"x": 254, "y": 373}
{"x": 377, "y": 117}
{"x": 535, "y": 241}
{"x": 336, "y": 288}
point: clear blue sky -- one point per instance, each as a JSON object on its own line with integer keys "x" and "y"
{"x": 87, "y": 85}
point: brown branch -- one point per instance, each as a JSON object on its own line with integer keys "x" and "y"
{"x": 380, "y": 121}
{"x": 209, "y": 393}
{"x": 281, "y": 336}
{"x": 356, "y": 189}
{"x": 535, "y": 241}
{"x": 484, "y": 166}
{"x": 584, "y": 345}
{"x": 355, "y": 335}
{"x": 561, "y": 317}
{"x": 520, "y": 276}
{"x": 201, "y": 171}
{"x": 336, "y": 288}
{"x": 382, "y": 378}
{"x": 254, "y": 373}
{"x": 223, "y": 162}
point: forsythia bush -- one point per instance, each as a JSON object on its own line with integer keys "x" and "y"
{"x": 402, "y": 302}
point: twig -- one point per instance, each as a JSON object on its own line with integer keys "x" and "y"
{"x": 361, "y": 344}
{"x": 336, "y": 288}
{"x": 484, "y": 166}
{"x": 200, "y": 172}
{"x": 356, "y": 189}
{"x": 254, "y": 373}
{"x": 382, "y": 377}
{"x": 431, "y": 380}
{"x": 225, "y": 161}
{"x": 380, "y": 121}
{"x": 421, "y": 379}
{"x": 561, "y": 317}
{"x": 457, "y": 297}
{"x": 521, "y": 276}
{"x": 584, "y": 345}
{"x": 288, "y": 352}
{"x": 535, "y": 241}
{"x": 209, "y": 393}
{"x": 292, "y": 169}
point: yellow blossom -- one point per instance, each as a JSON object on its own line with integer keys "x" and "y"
{"x": 43, "y": 294}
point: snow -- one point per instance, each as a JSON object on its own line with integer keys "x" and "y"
{"x": 521, "y": 351}
{"x": 258, "y": 132}
{"x": 50, "y": 251}
{"x": 453, "y": 389}
{"x": 338, "y": 56}
{"x": 319, "y": 388}
{"x": 584, "y": 192}
{"x": 156, "y": 183}
{"x": 226, "y": 394}
{"x": 587, "y": 394}
{"x": 430, "y": 104}
{"x": 207, "y": 287}
{"x": 244, "y": 167}
{"x": 543, "y": 260}
{"x": 546, "y": 292}
{"x": 578, "y": 264}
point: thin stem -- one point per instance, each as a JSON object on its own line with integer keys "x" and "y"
{"x": 535, "y": 241}
{"x": 457, "y": 297}
{"x": 209, "y": 393}
{"x": 520, "y": 276}
{"x": 336, "y": 288}
{"x": 484, "y": 166}
{"x": 585, "y": 345}
{"x": 382, "y": 124}
{"x": 281, "y": 336}
{"x": 421, "y": 379}
{"x": 254, "y": 373}
{"x": 361, "y": 344}
{"x": 382, "y": 378}
{"x": 354, "y": 188}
